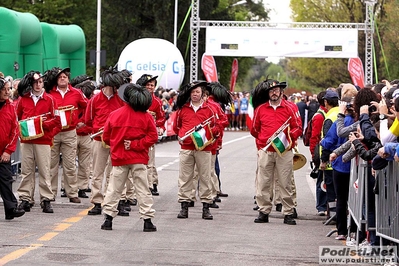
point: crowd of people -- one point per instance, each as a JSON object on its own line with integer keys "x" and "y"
{"x": 112, "y": 128}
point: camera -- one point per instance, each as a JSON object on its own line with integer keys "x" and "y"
{"x": 349, "y": 106}
{"x": 372, "y": 109}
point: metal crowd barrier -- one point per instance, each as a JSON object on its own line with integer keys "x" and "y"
{"x": 387, "y": 203}
{"x": 16, "y": 159}
{"x": 357, "y": 194}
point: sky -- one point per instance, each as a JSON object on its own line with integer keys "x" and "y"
{"x": 280, "y": 10}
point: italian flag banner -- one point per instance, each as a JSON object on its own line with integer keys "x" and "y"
{"x": 281, "y": 143}
{"x": 202, "y": 137}
{"x": 31, "y": 128}
{"x": 66, "y": 116}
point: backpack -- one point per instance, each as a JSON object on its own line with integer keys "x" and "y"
{"x": 308, "y": 131}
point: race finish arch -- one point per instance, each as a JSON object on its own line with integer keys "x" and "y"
{"x": 299, "y": 39}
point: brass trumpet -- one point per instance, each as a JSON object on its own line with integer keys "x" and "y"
{"x": 100, "y": 132}
{"x": 299, "y": 159}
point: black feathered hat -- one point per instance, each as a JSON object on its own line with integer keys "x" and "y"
{"x": 145, "y": 78}
{"x": 50, "y": 79}
{"x": 137, "y": 96}
{"x": 87, "y": 87}
{"x": 185, "y": 92}
{"x": 66, "y": 71}
{"x": 260, "y": 94}
{"x": 126, "y": 75}
{"x": 112, "y": 78}
{"x": 26, "y": 83}
{"x": 79, "y": 79}
{"x": 219, "y": 92}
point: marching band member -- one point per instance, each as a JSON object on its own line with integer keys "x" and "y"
{"x": 97, "y": 112}
{"x": 8, "y": 144}
{"x": 70, "y": 102}
{"x": 83, "y": 149}
{"x": 150, "y": 82}
{"x": 130, "y": 131}
{"x": 276, "y": 127}
{"x": 193, "y": 117}
{"x": 35, "y": 104}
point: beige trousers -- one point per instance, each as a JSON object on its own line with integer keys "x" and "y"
{"x": 83, "y": 153}
{"x": 152, "y": 173}
{"x": 35, "y": 155}
{"x": 269, "y": 164}
{"x": 188, "y": 160}
{"x": 100, "y": 159}
{"x": 65, "y": 143}
{"x": 117, "y": 183}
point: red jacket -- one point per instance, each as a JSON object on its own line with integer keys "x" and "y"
{"x": 156, "y": 107}
{"x": 267, "y": 121}
{"x": 84, "y": 130}
{"x": 187, "y": 119}
{"x": 127, "y": 124}
{"x": 72, "y": 97}
{"x": 26, "y": 108}
{"x": 9, "y": 131}
{"x": 98, "y": 110}
{"x": 317, "y": 125}
{"x": 222, "y": 122}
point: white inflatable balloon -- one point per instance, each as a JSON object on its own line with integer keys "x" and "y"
{"x": 156, "y": 57}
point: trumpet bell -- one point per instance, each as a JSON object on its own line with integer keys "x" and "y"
{"x": 299, "y": 161}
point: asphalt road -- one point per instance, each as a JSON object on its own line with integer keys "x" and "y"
{"x": 69, "y": 236}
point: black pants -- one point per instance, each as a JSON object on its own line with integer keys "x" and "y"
{"x": 341, "y": 185}
{"x": 9, "y": 200}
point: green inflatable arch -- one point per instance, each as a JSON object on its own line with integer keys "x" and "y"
{"x": 39, "y": 46}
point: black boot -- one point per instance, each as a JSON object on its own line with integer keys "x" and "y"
{"x": 184, "y": 210}
{"x": 47, "y": 207}
{"x": 132, "y": 202}
{"x": 24, "y": 205}
{"x": 279, "y": 207}
{"x": 289, "y": 220}
{"x": 82, "y": 194}
{"x": 148, "y": 226}
{"x": 262, "y": 218}
{"x": 127, "y": 206}
{"x": 121, "y": 209}
{"x": 13, "y": 213}
{"x": 214, "y": 205}
{"x": 206, "y": 214}
{"x": 191, "y": 204}
{"x": 154, "y": 190}
{"x": 96, "y": 210}
{"x": 107, "y": 225}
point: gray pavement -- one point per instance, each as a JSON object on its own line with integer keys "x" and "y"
{"x": 69, "y": 236}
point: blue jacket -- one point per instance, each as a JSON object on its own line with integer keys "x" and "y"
{"x": 331, "y": 141}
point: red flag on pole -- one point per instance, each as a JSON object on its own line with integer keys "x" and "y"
{"x": 208, "y": 66}
{"x": 234, "y": 74}
{"x": 355, "y": 68}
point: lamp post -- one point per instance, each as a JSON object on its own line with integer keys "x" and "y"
{"x": 98, "y": 45}
{"x": 175, "y": 24}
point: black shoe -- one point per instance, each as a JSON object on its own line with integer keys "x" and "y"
{"x": 183, "y": 214}
{"x": 47, "y": 207}
{"x": 24, "y": 205}
{"x": 262, "y": 218}
{"x": 256, "y": 208}
{"x": 132, "y": 202}
{"x": 121, "y": 209}
{"x": 148, "y": 226}
{"x": 214, "y": 206}
{"x": 288, "y": 219}
{"x": 295, "y": 214}
{"x": 16, "y": 212}
{"x": 154, "y": 190}
{"x": 96, "y": 210}
{"x": 127, "y": 206}
{"x": 279, "y": 207}
{"x": 88, "y": 190}
{"x": 191, "y": 204}
{"x": 221, "y": 194}
{"x": 82, "y": 194}
{"x": 206, "y": 214}
{"x": 107, "y": 225}
{"x": 217, "y": 199}
{"x": 63, "y": 194}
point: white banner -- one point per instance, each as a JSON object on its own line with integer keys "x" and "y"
{"x": 289, "y": 42}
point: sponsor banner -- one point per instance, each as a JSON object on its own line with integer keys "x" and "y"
{"x": 208, "y": 66}
{"x": 355, "y": 68}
